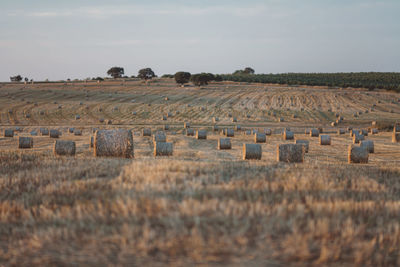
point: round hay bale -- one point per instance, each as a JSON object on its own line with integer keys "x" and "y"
{"x": 373, "y": 123}
{"x": 41, "y": 112}
{"x": 374, "y": 131}
{"x": 288, "y": 135}
{"x": 189, "y": 132}
{"x": 267, "y": 131}
{"x": 247, "y": 132}
{"x": 101, "y": 120}
{"x": 18, "y": 129}
{"x": 396, "y": 127}
{"x": 166, "y": 98}
{"x": 230, "y": 115}
{"x": 307, "y": 131}
{"x": 34, "y": 133}
{"x": 224, "y": 143}
{"x": 395, "y": 137}
{"x": 215, "y": 119}
{"x": 294, "y": 116}
{"x": 369, "y": 145}
{"x": 134, "y": 113}
{"x": 10, "y": 111}
{"x": 54, "y": 133}
{"x": 314, "y": 132}
{"x": 357, "y": 154}
{"x": 113, "y": 143}
{"x": 349, "y": 128}
{"x": 201, "y": 134}
{"x": 325, "y": 140}
{"x": 305, "y": 143}
{"x": 357, "y": 138}
{"x": 215, "y": 128}
{"x": 166, "y": 127}
{"x": 59, "y": 107}
{"x": 260, "y": 138}
{"x": 238, "y": 127}
{"x": 64, "y": 148}
{"x": 353, "y": 132}
{"x": 91, "y": 141}
{"x": 27, "y": 116}
{"x": 78, "y": 132}
{"x": 71, "y": 130}
{"x": 234, "y": 119}
{"x": 186, "y": 125}
{"x": 163, "y": 149}
{"x": 8, "y": 133}
{"x": 94, "y": 130}
{"x": 77, "y": 117}
{"x": 281, "y": 119}
{"x": 25, "y": 142}
{"x": 320, "y": 130}
{"x": 160, "y": 137}
{"x": 109, "y": 122}
{"x": 341, "y": 131}
{"x": 44, "y": 131}
{"x": 230, "y": 133}
{"x": 252, "y": 151}
{"x": 290, "y": 153}
{"x": 146, "y": 132}
{"x": 364, "y": 132}
{"x": 164, "y": 118}
{"x": 333, "y": 124}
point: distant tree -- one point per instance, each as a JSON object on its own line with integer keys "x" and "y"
{"x": 146, "y": 74}
{"x": 98, "y": 79}
{"x": 218, "y": 78}
{"x": 182, "y": 77}
{"x": 168, "y": 76}
{"x": 26, "y": 79}
{"x": 201, "y": 79}
{"x": 248, "y": 70}
{"x": 116, "y": 72}
{"x": 16, "y": 78}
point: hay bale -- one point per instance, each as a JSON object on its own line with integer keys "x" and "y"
{"x": 333, "y": 124}
{"x": 77, "y": 117}
{"x": 91, "y": 141}
{"x": 224, "y": 143}
{"x": 201, "y": 134}
{"x": 113, "y": 143}
{"x": 234, "y": 119}
{"x": 164, "y": 118}
{"x": 146, "y": 132}
{"x": 109, "y": 122}
{"x": 290, "y": 153}
{"x": 25, "y": 142}
{"x": 288, "y": 135}
{"x": 94, "y": 130}
{"x": 305, "y": 143}
{"x": 260, "y": 138}
{"x": 369, "y": 145}
{"x": 186, "y": 125}
{"x": 357, "y": 138}
{"x": 134, "y": 113}
{"x": 163, "y": 149}
{"x": 160, "y": 137}
{"x": 64, "y": 148}
{"x": 281, "y": 119}
{"x": 8, "y": 133}
{"x": 215, "y": 128}
{"x": 307, "y": 131}
{"x": 395, "y": 137}
{"x": 34, "y": 133}
{"x": 357, "y": 154}
{"x": 78, "y": 132}
{"x": 364, "y": 132}
{"x": 396, "y": 127}
{"x": 44, "y": 131}
{"x": 373, "y": 123}
{"x": 267, "y": 131}
{"x": 314, "y": 132}
{"x": 325, "y": 140}
{"x": 353, "y": 132}
{"x": 41, "y": 112}
{"x": 27, "y": 116}
{"x": 247, "y": 132}
{"x": 374, "y": 131}
{"x": 341, "y": 131}
{"x": 189, "y": 132}
{"x": 252, "y": 151}
{"x": 215, "y": 119}
{"x": 71, "y": 130}
{"x": 166, "y": 127}
{"x": 230, "y": 133}
{"x": 101, "y": 120}
{"x": 238, "y": 127}
{"x": 54, "y": 133}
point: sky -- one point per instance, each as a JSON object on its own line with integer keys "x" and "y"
{"x": 47, "y": 39}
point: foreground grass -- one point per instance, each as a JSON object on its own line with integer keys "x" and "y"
{"x": 67, "y": 211}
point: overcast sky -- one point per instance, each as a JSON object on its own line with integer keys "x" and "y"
{"x": 83, "y": 38}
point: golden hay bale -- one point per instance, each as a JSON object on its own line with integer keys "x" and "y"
{"x": 305, "y": 143}
{"x": 77, "y": 117}
{"x": 25, "y": 142}
{"x": 215, "y": 128}
{"x": 78, "y": 132}
{"x": 364, "y": 132}
{"x": 373, "y": 123}
{"x": 146, "y": 132}
{"x": 238, "y": 127}
{"x": 395, "y": 137}
{"x": 374, "y": 131}
{"x": 164, "y": 118}
{"x": 160, "y": 137}
{"x": 215, "y": 119}
{"x": 34, "y": 133}
{"x": 288, "y": 135}
{"x": 325, "y": 140}
{"x": 163, "y": 149}
{"x": 357, "y": 138}
{"x": 281, "y": 119}
{"x": 113, "y": 143}
{"x": 314, "y": 132}
{"x": 201, "y": 134}
{"x": 189, "y": 132}
{"x": 109, "y": 122}
{"x": 353, "y": 132}
{"x": 341, "y": 131}
{"x": 54, "y": 133}
{"x": 169, "y": 114}
{"x": 357, "y": 154}
{"x": 44, "y": 131}
{"x": 224, "y": 143}
{"x": 320, "y": 130}
{"x": 186, "y": 125}
{"x": 71, "y": 130}
{"x": 64, "y": 148}
{"x": 307, "y": 131}
{"x": 369, "y": 145}
{"x": 252, "y": 151}
{"x": 260, "y": 138}
{"x": 166, "y": 127}
{"x": 8, "y": 133}
{"x": 234, "y": 119}
{"x": 290, "y": 153}
{"x": 267, "y": 131}
{"x": 41, "y": 112}
{"x": 101, "y": 120}
{"x": 333, "y": 124}
{"x": 27, "y": 116}
{"x": 230, "y": 133}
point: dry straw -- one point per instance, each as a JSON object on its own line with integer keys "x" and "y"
{"x": 163, "y": 149}
{"x": 146, "y": 132}
{"x": 357, "y": 154}
{"x": 314, "y": 132}
{"x": 252, "y": 151}
{"x": 325, "y": 140}
{"x": 201, "y": 134}
{"x": 288, "y": 135}
{"x": 260, "y": 138}
{"x": 290, "y": 153}
{"x": 230, "y": 133}
{"x": 77, "y": 132}
{"x": 113, "y": 143}
{"x": 25, "y": 142}
{"x": 64, "y": 148}
{"x": 224, "y": 143}
{"x": 44, "y": 131}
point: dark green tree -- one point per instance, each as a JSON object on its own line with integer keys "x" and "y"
{"x": 16, "y": 78}
{"x": 182, "y": 77}
{"x": 146, "y": 74}
{"x": 116, "y": 72}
